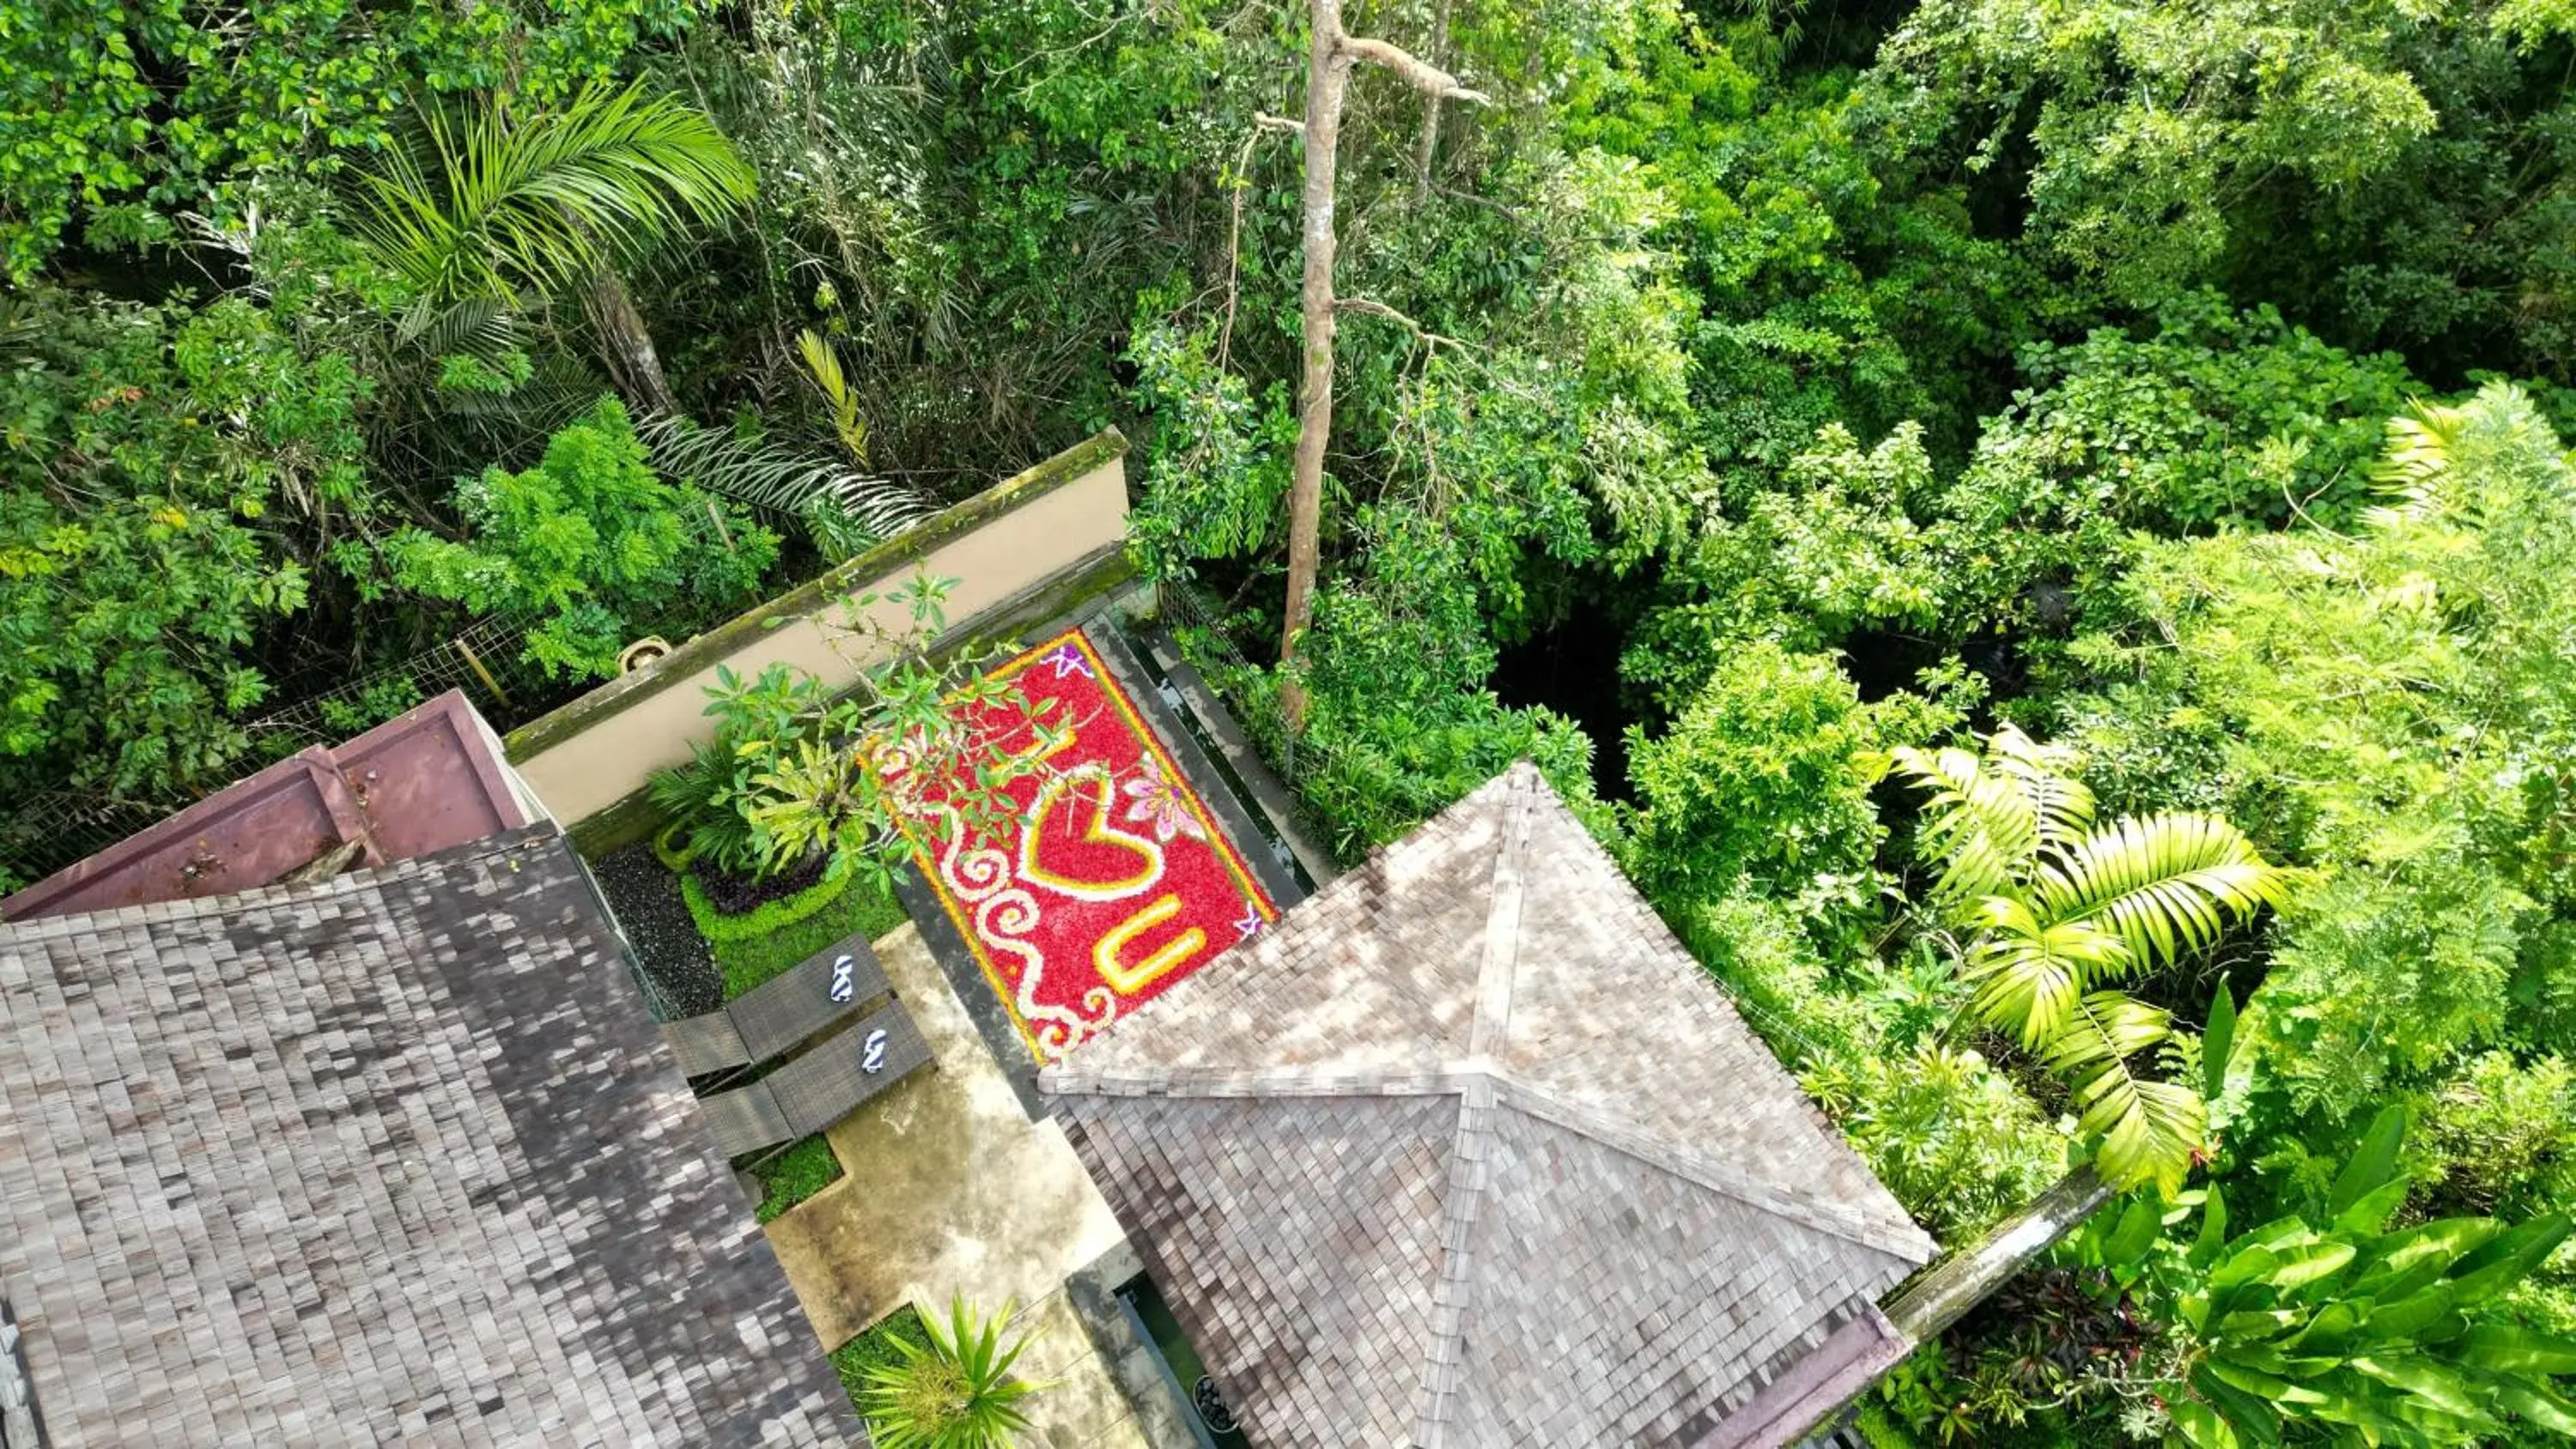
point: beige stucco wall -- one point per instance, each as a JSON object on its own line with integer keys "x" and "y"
{"x": 1023, "y": 532}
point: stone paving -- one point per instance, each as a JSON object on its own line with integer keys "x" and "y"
{"x": 949, "y": 1188}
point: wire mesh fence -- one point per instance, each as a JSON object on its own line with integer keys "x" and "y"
{"x": 50, "y": 829}
{"x": 484, "y": 660}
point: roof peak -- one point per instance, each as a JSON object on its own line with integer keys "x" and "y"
{"x": 1472, "y": 1116}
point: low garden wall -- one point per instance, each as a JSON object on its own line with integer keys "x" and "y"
{"x": 1021, "y": 551}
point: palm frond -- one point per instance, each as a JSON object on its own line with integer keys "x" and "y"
{"x": 956, "y": 1392}
{"x": 2061, "y": 807}
{"x": 823, "y": 365}
{"x": 2149, "y": 1129}
{"x": 2166, "y": 885}
{"x": 481, "y": 326}
{"x": 2409, "y": 474}
{"x": 498, "y": 202}
{"x": 2030, "y": 975}
{"x": 844, "y": 510}
{"x": 1990, "y": 816}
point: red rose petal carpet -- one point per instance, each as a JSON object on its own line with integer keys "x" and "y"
{"x": 1113, "y": 883}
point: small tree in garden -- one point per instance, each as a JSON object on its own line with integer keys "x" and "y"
{"x": 2057, "y": 908}
{"x": 956, "y": 1392}
{"x": 797, "y": 775}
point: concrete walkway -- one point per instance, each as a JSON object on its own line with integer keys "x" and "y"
{"x": 950, "y": 1188}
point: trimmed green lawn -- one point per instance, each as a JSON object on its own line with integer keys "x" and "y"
{"x": 876, "y": 1346}
{"x": 795, "y": 1175}
{"x": 859, "y": 908}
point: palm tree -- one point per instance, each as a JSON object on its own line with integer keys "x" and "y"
{"x": 2057, "y": 907}
{"x": 508, "y": 204}
{"x": 956, "y": 1392}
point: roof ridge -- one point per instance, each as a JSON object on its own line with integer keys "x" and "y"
{"x": 1448, "y": 1078}
{"x": 1453, "y": 1286}
{"x": 1498, "y": 973}
{"x": 1912, "y": 1244}
{"x": 280, "y": 892}
{"x": 1453, "y": 1291}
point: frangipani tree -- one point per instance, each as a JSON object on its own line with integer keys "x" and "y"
{"x": 2057, "y": 909}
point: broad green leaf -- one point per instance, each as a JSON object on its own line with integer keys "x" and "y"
{"x": 2539, "y": 1404}
{"x": 2252, "y": 1418}
{"x": 2201, "y": 1428}
{"x": 2330, "y": 1331}
{"x": 2505, "y": 1260}
{"x": 2369, "y": 1214}
{"x": 2213, "y": 1231}
{"x": 2437, "y": 1384}
{"x": 2410, "y": 1260}
{"x": 2136, "y": 1233}
{"x": 2373, "y": 1163}
{"x": 2217, "y": 1042}
{"x": 2273, "y": 1388}
{"x": 2308, "y": 1263}
{"x": 2255, "y": 1325}
{"x": 2518, "y": 1350}
{"x": 2409, "y": 1317}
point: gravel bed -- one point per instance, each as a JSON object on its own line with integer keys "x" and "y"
{"x": 647, "y": 901}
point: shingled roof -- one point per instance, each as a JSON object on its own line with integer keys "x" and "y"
{"x": 392, "y": 1157}
{"x": 1468, "y": 1151}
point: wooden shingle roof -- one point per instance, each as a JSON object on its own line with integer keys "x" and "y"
{"x": 392, "y": 1157}
{"x": 1468, "y": 1151}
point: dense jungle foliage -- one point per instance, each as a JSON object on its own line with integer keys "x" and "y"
{"x": 2040, "y": 530}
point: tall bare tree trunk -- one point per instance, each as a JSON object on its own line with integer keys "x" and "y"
{"x": 1328, "y": 71}
{"x": 626, "y": 344}
{"x": 1427, "y": 147}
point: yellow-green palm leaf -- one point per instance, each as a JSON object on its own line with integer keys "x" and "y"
{"x": 2059, "y": 907}
{"x": 2167, "y": 885}
{"x": 1990, "y": 816}
{"x": 504, "y": 202}
{"x": 2149, "y": 1128}
{"x": 2030, "y": 974}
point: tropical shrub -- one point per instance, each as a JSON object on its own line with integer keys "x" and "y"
{"x": 113, "y": 121}
{"x": 1765, "y": 778}
{"x": 1399, "y": 723}
{"x": 2392, "y": 706}
{"x": 798, "y": 777}
{"x": 2501, "y": 1136}
{"x": 2329, "y": 1322}
{"x": 1957, "y": 1142}
{"x": 165, "y": 470}
{"x": 589, "y": 546}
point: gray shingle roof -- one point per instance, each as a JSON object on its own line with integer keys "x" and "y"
{"x": 1468, "y": 1151}
{"x": 393, "y": 1157}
